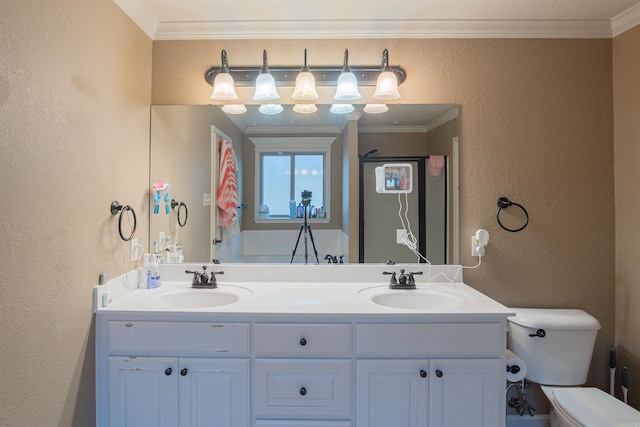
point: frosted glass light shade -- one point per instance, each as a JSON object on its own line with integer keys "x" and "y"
{"x": 265, "y": 88}
{"x": 234, "y": 108}
{"x": 223, "y": 87}
{"x": 341, "y": 108}
{"x": 387, "y": 86}
{"x": 305, "y": 86}
{"x": 305, "y": 108}
{"x": 347, "y": 87}
{"x": 375, "y": 108}
{"x": 270, "y": 108}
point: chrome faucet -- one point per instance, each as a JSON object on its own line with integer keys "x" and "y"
{"x": 402, "y": 281}
{"x": 202, "y": 281}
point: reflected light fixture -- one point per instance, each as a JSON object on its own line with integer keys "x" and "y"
{"x": 305, "y": 83}
{"x": 270, "y": 109}
{"x": 305, "y": 108}
{"x": 265, "y": 83}
{"x": 341, "y": 108}
{"x": 387, "y": 84}
{"x": 234, "y": 108}
{"x": 375, "y": 108}
{"x": 347, "y": 86}
{"x": 223, "y": 86}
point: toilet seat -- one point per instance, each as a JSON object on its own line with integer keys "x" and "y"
{"x": 591, "y": 407}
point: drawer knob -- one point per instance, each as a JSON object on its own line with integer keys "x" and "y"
{"x": 423, "y": 373}
{"x": 439, "y": 373}
{"x": 303, "y": 391}
{"x": 303, "y": 341}
{"x": 168, "y": 371}
{"x": 184, "y": 372}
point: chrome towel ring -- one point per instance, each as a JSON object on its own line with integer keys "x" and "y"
{"x": 503, "y": 203}
{"x": 117, "y": 207}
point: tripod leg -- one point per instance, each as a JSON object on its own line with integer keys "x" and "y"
{"x": 313, "y": 243}
{"x": 306, "y": 250}
{"x": 293, "y": 254}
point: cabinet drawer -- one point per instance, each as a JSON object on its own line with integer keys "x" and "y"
{"x": 298, "y": 339}
{"x": 185, "y": 338}
{"x": 289, "y": 388}
{"x": 430, "y": 339}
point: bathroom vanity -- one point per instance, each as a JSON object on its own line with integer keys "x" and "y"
{"x": 307, "y": 346}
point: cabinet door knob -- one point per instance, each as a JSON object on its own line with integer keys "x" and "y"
{"x": 168, "y": 371}
{"x": 303, "y": 341}
{"x": 423, "y": 373}
{"x": 303, "y": 391}
{"x": 439, "y": 373}
{"x": 183, "y": 372}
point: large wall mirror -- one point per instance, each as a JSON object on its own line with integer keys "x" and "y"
{"x": 347, "y": 221}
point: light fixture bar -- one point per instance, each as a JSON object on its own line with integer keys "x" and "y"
{"x": 325, "y": 76}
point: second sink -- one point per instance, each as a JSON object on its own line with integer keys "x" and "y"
{"x": 419, "y": 299}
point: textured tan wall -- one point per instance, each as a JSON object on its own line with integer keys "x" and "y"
{"x": 536, "y": 126}
{"x": 626, "y": 96}
{"x": 75, "y": 88}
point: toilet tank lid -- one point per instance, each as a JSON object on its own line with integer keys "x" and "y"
{"x": 554, "y": 318}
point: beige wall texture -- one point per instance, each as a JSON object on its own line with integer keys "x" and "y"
{"x": 626, "y": 101}
{"x": 536, "y": 126}
{"x": 75, "y": 89}
{"x": 536, "y": 122}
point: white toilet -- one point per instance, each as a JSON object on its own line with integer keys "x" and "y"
{"x": 557, "y": 345}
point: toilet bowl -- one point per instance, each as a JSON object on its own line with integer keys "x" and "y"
{"x": 557, "y": 345}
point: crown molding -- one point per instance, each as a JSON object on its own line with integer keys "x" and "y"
{"x": 445, "y": 117}
{"x": 361, "y": 29}
{"x": 392, "y": 129}
{"x": 625, "y": 20}
{"x": 141, "y": 15}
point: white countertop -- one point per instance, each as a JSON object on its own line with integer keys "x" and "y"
{"x": 294, "y": 289}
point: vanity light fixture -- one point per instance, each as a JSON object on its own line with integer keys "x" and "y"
{"x": 347, "y": 85}
{"x": 375, "y": 108}
{"x": 305, "y": 108}
{"x": 265, "y": 83}
{"x": 346, "y": 78}
{"x": 341, "y": 108}
{"x": 223, "y": 86}
{"x": 387, "y": 84}
{"x": 234, "y": 108}
{"x": 270, "y": 108}
{"x": 305, "y": 83}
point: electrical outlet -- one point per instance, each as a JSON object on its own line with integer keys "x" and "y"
{"x": 476, "y": 247}
{"x": 401, "y": 236}
{"x": 206, "y": 199}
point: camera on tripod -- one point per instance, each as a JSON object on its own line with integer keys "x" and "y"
{"x": 306, "y": 198}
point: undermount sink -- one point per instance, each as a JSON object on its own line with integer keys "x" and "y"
{"x": 420, "y": 299}
{"x": 193, "y": 298}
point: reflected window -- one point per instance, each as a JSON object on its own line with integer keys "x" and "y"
{"x": 285, "y": 176}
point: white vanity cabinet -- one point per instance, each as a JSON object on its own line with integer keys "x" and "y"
{"x": 187, "y": 374}
{"x": 300, "y": 370}
{"x": 455, "y": 377}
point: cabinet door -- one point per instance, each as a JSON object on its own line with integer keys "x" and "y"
{"x": 391, "y": 393}
{"x": 143, "y": 391}
{"x": 214, "y": 392}
{"x": 465, "y": 393}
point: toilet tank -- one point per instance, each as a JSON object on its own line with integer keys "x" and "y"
{"x": 556, "y": 344}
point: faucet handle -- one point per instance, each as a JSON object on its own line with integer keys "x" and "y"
{"x": 411, "y": 280}
{"x": 393, "y": 280}
{"x": 212, "y": 281}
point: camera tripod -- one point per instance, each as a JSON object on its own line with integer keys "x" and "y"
{"x": 307, "y": 231}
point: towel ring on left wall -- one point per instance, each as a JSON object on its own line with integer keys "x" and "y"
{"x": 180, "y": 206}
{"x": 117, "y": 207}
{"x": 503, "y": 202}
